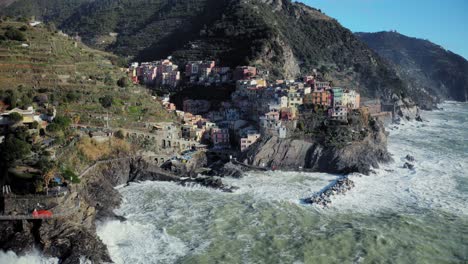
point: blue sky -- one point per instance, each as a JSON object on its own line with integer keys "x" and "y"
{"x": 444, "y": 22}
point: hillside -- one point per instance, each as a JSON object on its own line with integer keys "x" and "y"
{"x": 51, "y": 69}
{"x": 423, "y": 64}
{"x": 278, "y": 35}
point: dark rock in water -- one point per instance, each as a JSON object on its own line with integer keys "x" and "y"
{"x": 210, "y": 182}
{"x": 409, "y": 158}
{"x": 408, "y": 165}
{"x": 229, "y": 169}
{"x": 419, "y": 119}
{"x": 341, "y": 186}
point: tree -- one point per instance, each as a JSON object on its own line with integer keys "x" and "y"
{"x": 123, "y": 82}
{"x": 108, "y": 79}
{"x": 15, "y": 117}
{"x": 119, "y": 134}
{"x": 106, "y": 101}
{"x": 14, "y": 149}
{"x": 15, "y": 34}
{"x": 11, "y": 98}
{"x": 60, "y": 123}
{"x": 35, "y": 125}
{"x": 48, "y": 176}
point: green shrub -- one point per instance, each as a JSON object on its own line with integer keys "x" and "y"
{"x": 15, "y": 34}
{"x": 123, "y": 82}
{"x": 15, "y": 117}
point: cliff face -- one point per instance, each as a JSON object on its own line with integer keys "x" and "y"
{"x": 290, "y": 154}
{"x": 74, "y": 237}
{"x": 423, "y": 64}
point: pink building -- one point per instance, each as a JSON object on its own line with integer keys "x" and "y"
{"x": 220, "y": 136}
{"x": 244, "y": 73}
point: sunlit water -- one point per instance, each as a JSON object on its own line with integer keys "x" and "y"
{"x": 394, "y": 216}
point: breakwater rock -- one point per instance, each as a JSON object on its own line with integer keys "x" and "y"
{"x": 323, "y": 198}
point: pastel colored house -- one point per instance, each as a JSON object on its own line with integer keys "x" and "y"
{"x": 249, "y": 140}
{"x": 337, "y": 96}
{"x": 322, "y": 99}
{"x": 244, "y": 73}
{"x": 220, "y": 137}
{"x": 351, "y": 99}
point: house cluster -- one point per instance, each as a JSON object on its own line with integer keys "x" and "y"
{"x": 159, "y": 73}
{"x": 207, "y": 73}
{"x": 259, "y": 109}
{"x": 29, "y": 117}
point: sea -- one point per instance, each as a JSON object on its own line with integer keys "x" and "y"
{"x": 396, "y": 215}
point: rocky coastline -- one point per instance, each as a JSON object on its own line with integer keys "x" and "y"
{"x": 73, "y": 239}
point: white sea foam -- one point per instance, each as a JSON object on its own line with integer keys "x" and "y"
{"x": 30, "y": 258}
{"x": 440, "y": 149}
{"x": 135, "y": 242}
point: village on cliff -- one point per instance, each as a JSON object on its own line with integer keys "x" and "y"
{"x": 256, "y": 108}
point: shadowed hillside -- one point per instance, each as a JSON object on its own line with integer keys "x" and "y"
{"x": 423, "y": 64}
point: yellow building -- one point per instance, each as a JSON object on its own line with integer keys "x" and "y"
{"x": 351, "y": 99}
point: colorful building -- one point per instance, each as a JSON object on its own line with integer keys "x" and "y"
{"x": 244, "y": 73}
{"x": 249, "y": 140}
{"x": 337, "y": 96}
{"x": 351, "y": 99}
{"x": 220, "y": 137}
{"x": 322, "y": 99}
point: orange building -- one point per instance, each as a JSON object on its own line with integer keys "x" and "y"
{"x": 322, "y": 98}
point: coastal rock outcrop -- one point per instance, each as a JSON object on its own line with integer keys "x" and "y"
{"x": 294, "y": 154}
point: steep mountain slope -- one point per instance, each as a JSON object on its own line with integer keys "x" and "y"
{"x": 5, "y": 3}
{"x": 423, "y": 64}
{"x": 278, "y": 35}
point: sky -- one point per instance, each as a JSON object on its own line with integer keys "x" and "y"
{"x": 444, "y": 22}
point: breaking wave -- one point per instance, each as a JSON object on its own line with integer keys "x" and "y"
{"x": 34, "y": 257}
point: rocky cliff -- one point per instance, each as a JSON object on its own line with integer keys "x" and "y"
{"x": 314, "y": 155}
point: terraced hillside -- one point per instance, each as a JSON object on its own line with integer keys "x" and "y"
{"x": 52, "y": 69}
